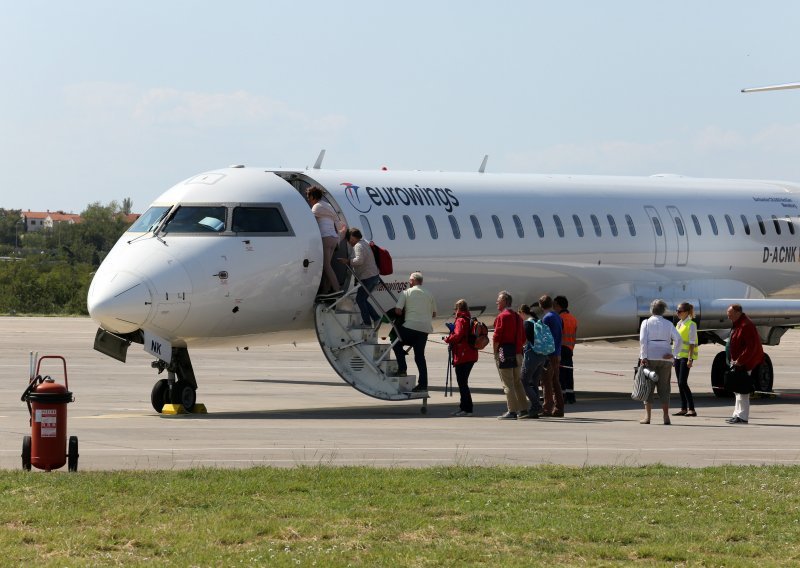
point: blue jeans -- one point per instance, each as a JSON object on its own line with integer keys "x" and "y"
{"x": 532, "y": 365}
{"x": 368, "y": 313}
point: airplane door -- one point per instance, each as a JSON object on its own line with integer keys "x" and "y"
{"x": 681, "y": 234}
{"x": 659, "y": 234}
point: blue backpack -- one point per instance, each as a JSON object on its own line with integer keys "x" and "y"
{"x": 543, "y": 343}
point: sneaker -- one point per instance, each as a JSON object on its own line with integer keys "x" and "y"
{"x": 737, "y": 420}
{"x": 461, "y": 413}
{"x": 419, "y": 388}
{"x": 522, "y": 415}
{"x": 508, "y": 416}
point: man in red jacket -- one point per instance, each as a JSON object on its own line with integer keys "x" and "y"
{"x": 508, "y": 331}
{"x": 746, "y": 353}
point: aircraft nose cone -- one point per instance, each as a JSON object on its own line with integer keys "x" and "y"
{"x": 120, "y": 303}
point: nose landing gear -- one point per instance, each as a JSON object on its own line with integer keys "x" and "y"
{"x": 180, "y": 386}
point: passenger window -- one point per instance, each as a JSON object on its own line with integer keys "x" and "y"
{"x": 612, "y": 224}
{"x": 729, "y": 222}
{"x": 366, "y": 228}
{"x": 761, "y": 226}
{"x": 432, "y": 227}
{"x": 578, "y": 225}
{"x": 791, "y": 225}
{"x": 631, "y": 227}
{"x": 596, "y": 223}
{"x": 746, "y": 225}
{"x": 697, "y": 228}
{"x": 657, "y": 226}
{"x": 476, "y": 226}
{"x": 679, "y": 226}
{"x": 194, "y": 219}
{"x": 777, "y": 226}
{"x": 497, "y": 226}
{"x": 559, "y": 226}
{"x": 148, "y": 222}
{"x": 539, "y": 226}
{"x": 518, "y": 224}
{"x": 389, "y": 227}
{"x": 713, "y": 224}
{"x": 409, "y": 227}
{"x": 455, "y": 227}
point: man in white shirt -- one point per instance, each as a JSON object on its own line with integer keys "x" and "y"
{"x": 420, "y": 309}
{"x": 659, "y": 343}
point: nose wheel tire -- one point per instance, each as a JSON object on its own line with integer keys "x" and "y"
{"x": 183, "y": 393}
{"x": 160, "y": 395}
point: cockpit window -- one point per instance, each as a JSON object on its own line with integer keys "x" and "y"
{"x": 259, "y": 219}
{"x": 151, "y": 218}
{"x": 196, "y": 219}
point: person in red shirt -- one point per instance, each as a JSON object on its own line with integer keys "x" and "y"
{"x": 508, "y": 330}
{"x": 746, "y": 353}
{"x": 464, "y": 356}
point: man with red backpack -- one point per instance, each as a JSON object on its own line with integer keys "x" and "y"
{"x": 464, "y": 355}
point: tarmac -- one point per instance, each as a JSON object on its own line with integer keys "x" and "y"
{"x": 282, "y": 405}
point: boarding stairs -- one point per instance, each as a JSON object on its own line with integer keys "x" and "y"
{"x": 363, "y": 357}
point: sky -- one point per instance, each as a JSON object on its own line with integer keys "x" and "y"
{"x": 103, "y": 101}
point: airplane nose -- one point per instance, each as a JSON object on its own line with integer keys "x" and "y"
{"x": 120, "y": 303}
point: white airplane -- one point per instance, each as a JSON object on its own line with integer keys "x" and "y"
{"x": 233, "y": 255}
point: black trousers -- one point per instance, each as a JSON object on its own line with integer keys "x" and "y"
{"x": 566, "y": 377}
{"x": 682, "y": 373}
{"x": 417, "y": 340}
{"x": 462, "y": 376}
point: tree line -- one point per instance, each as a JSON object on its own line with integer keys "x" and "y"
{"x": 49, "y": 271}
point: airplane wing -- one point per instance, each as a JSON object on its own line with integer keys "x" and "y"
{"x": 772, "y": 88}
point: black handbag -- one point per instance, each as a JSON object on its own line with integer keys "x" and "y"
{"x": 507, "y": 356}
{"x": 737, "y": 380}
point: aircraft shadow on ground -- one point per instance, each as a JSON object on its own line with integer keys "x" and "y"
{"x": 441, "y": 407}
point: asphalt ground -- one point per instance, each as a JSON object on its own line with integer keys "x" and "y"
{"x": 282, "y": 405}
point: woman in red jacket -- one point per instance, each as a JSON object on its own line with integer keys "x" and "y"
{"x": 464, "y": 356}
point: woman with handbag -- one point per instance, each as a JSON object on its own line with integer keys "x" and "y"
{"x": 746, "y": 354}
{"x": 685, "y": 359}
{"x": 655, "y": 352}
{"x": 464, "y": 356}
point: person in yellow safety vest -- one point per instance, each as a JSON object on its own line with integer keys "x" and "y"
{"x": 685, "y": 359}
{"x": 566, "y": 376}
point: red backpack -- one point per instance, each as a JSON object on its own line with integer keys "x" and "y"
{"x": 382, "y": 259}
{"x": 478, "y": 334}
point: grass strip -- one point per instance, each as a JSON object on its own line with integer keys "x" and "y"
{"x": 360, "y": 516}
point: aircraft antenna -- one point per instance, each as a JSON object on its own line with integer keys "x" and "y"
{"x": 483, "y": 164}
{"x": 772, "y": 88}
{"x": 318, "y": 163}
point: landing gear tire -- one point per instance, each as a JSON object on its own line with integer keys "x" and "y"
{"x": 765, "y": 376}
{"x": 26, "y": 453}
{"x": 160, "y": 395}
{"x": 718, "y": 368}
{"x": 183, "y": 393}
{"x": 72, "y": 454}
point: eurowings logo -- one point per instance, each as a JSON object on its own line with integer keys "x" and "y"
{"x": 351, "y": 191}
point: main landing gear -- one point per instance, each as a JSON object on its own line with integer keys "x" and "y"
{"x": 180, "y": 386}
{"x": 764, "y": 379}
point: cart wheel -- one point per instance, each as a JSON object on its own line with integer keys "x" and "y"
{"x": 424, "y": 408}
{"x": 72, "y": 454}
{"x": 26, "y": 453}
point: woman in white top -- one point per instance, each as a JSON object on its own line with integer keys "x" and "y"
{"x": 655, "y": 336}
{"x": 326, "y": 219}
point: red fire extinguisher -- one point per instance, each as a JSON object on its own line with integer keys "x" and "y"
{"x": 46, "y": 447}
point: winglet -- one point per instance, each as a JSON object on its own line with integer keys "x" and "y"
{"x": 318, "y": 163}
{"x": 483, "y": 164}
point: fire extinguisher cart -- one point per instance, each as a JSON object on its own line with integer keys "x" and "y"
{"x": 46, "y": 447}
